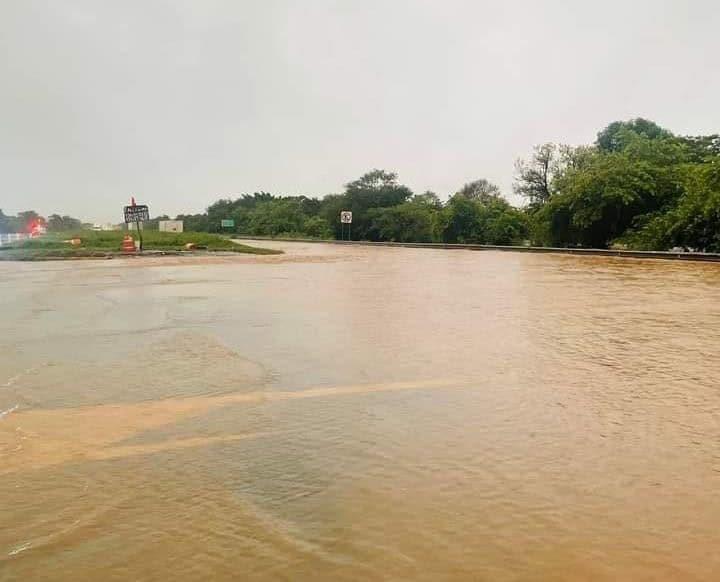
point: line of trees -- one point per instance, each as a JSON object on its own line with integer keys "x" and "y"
{"x": 637, "y": 186}
{"x": 383, "y": 210}
{"x": 26, "y": 222}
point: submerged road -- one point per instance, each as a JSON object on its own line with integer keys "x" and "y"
{"x": 360, "y": 413}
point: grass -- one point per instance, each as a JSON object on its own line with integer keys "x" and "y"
{"x": 99, "y": 244}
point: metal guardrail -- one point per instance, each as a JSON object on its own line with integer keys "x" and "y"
{"x": 667, "y": 255}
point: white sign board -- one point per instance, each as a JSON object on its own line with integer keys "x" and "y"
{"x": 170, "y": 226}
{"x": 346, "y": 217}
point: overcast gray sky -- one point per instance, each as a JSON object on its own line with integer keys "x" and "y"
{"x": 182, "y": 102}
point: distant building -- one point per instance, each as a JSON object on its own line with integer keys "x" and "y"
{"x": 170, "y": 226}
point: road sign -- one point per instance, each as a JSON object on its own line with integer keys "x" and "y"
{"x": 137, "y": 213}
{"x": 345, "y": 218}
{"x": 227, "y": 223}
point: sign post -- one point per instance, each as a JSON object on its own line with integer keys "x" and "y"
{"x": 137, "y": 213}
{"x": 227, "y": 223}
{"x": 345, "y": 218}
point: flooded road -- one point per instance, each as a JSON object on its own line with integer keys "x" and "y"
{"x": 355, "y": 413}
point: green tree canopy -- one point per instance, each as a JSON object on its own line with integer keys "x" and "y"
{"x": 534, "y": 177}
{"x": 693, "y": 223}
{"x": 277, "y": 217}
{"x": 375, "y": 189}
{"x": 616, "y": 135}
{"x": 638, "y": 185}
{"x": 408, "y": 222}
{"x": 493, "y": 222}
{"x": 600, "y": 199}
{"x": 427, "y": 198}
{"x": 5, "y": 222}
{"x": 57, "y": 223}
{"x": 481, "y": 190}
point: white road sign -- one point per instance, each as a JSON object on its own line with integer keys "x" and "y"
{"x": 346, "y": 217}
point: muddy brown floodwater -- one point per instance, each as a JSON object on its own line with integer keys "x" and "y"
{"x": 360, "y": 413}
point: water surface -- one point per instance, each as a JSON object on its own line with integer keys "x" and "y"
{"x": 360, "y": 414}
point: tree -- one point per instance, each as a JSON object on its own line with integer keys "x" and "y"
{"x": 317, "y": 227}
{"x": 375, "y": 189}
{"x": 534, "y": 177}
{"x": 616, "y": 136}
{"x": 427, "y": 198}
{"x": 460, "y": 221}
{"x": 638, "y": 185}
{"x": 57, "y": 223}
{"x": 702, "y": 148}
{"x": 694, "y": 223}
{"x": 11, "y": 224}
{"x": 28, "y": 216}
{"x": 493, "y": 222}
{"x": 27, "y": 220}
{"x": 599, "y": 199}
{"x": 408, "y": 222}
{"x": 5, "y": 222}
{"x": 238, "y": 210}
{"x": 481, "y": 190}
{"x": 276, "y": 217}
{"x": 330, "y": 209}
{"x": 194, "y": 222}
{"x": 218, "y": 211}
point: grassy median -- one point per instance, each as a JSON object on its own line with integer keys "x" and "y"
{"x": 106, "y": 244}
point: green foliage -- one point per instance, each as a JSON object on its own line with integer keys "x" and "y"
{"x": 482, "y": 190}
{"x": 534, "y": 177}
{"x": 28, "y": 217}
{"x": 262, "y": 214}
{"x": 238, "y": 210}
{"x": 19, "y": 223}
{"x": 317, "y": 227}
{"x": 376, "y": 189}
{"x": 639, "y": 186}
{"x": 492, "y": 222}
{"x": 427, "y": 198}
{"x": 57, "y": 223}
{"x": 56, "y": 245}
{"x": 276, "y": 217}
{"x": 615, "y": 137}
{"x": 604, "y": 196}
{"x": 693, "y": 223}
{"x": 408, "y": 222}
{"x": 383, "y": 210}
{"x": 5, "y": 223}
{"x": 195, "y": 222}
{"x": 332, "y": 205}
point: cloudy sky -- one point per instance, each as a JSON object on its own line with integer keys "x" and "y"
{"x": 181, "y": 102}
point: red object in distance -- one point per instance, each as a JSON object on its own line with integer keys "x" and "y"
{"x": 36, "y": 227}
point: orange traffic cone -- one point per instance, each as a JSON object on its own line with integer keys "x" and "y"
{"x": 128, "y": 244}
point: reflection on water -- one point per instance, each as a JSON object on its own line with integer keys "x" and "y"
{"x": 360, "y": 413}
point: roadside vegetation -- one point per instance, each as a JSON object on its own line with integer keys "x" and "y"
{"x": 383, "y": 210}
{"x": 638, "y": 186}
{"x": 108, "y": 243}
